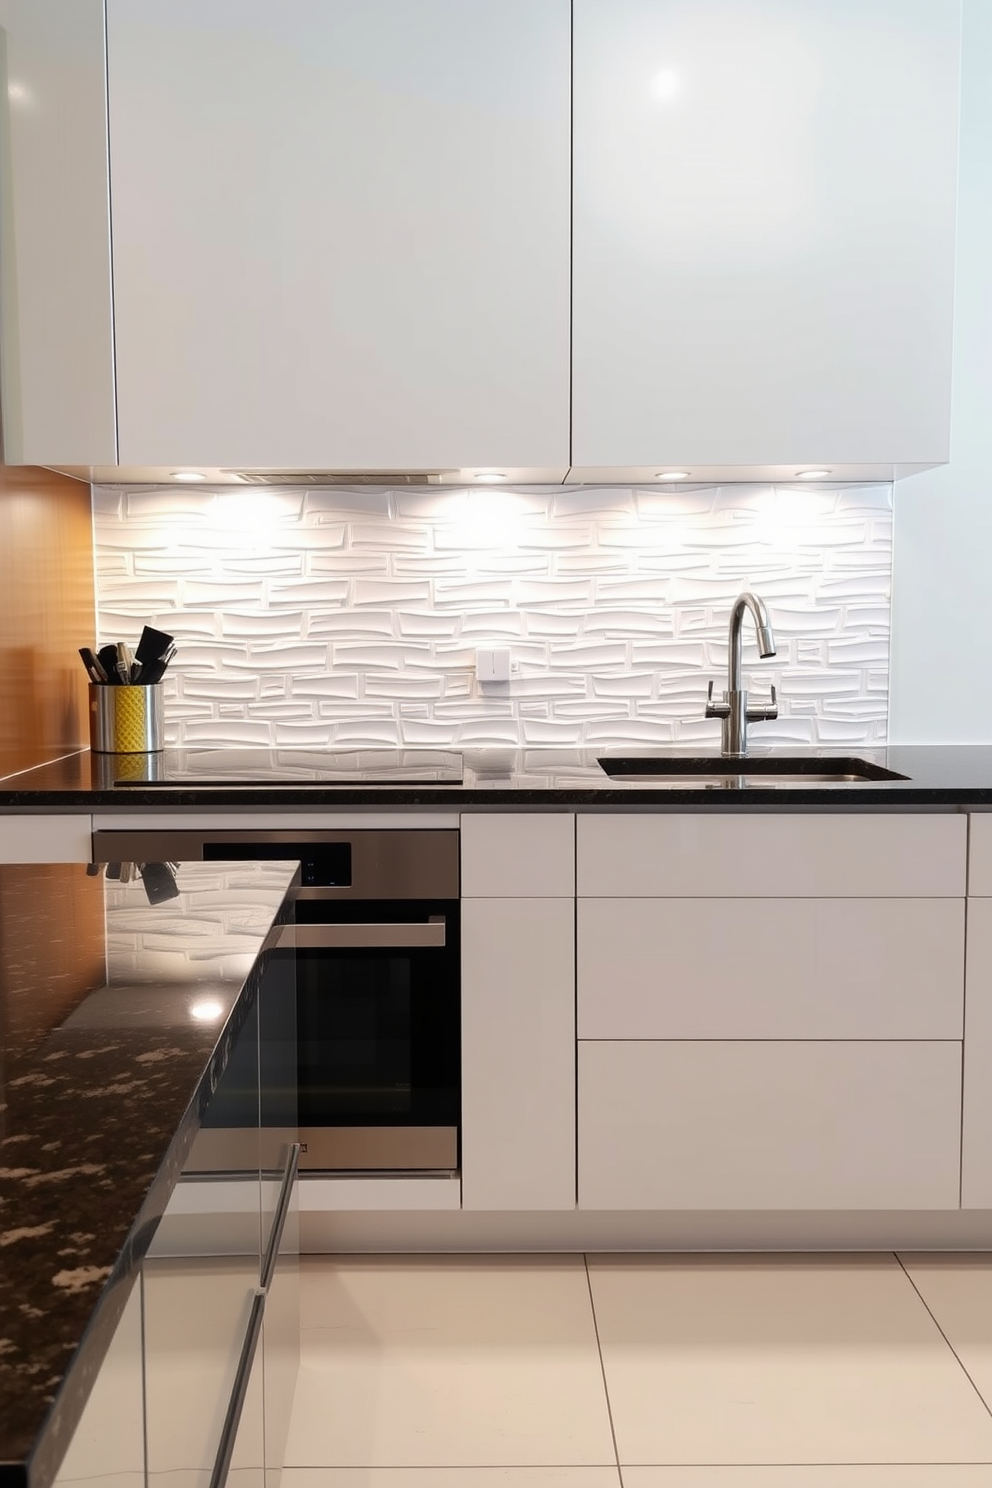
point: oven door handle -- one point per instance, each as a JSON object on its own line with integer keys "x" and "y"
{"x": 331, "y": 937}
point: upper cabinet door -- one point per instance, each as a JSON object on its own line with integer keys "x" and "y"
{"x": 55, "y": 293}
{"x": 764, "y": 231}
{"x": 340, "y": 231}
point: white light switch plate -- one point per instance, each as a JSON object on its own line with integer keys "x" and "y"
{"x": 493, "y": 665}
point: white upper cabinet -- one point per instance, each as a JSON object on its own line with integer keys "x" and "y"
{"x": 764, "y": 199}
{"x": 56, "y": 322}
{"x": 445, "y": 235}
{"x": 340, "y": 232}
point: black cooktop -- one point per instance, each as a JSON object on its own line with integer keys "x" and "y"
{"x": 219, "y": 767}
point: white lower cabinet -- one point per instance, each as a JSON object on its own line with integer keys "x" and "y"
{"x": 769, "y": 1125}
{"x": 518, "y": 1054}
{"x": 770, "y": 968}
{"x": 770, "y": 1009}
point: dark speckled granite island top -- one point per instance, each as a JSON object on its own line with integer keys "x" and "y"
{"x": 946, "y": 776}
{"x": 97, "y": 1114}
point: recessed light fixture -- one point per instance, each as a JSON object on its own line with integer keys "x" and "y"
{"x": 207, "y": 1010}
{"x": 490, "y": 476}
{"x": 812, "y": 474}
{"x": 672, "y": 475}
{"x": 187, "y": 475}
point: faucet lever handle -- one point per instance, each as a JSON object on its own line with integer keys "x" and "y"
{"x": 715, "y": 710}
{"x": 766, "y": 712}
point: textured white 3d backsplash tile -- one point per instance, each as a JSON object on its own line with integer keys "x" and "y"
{"x": 347, "y": 617}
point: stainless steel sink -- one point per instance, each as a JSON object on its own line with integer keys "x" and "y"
{"x": 761, "y": 771}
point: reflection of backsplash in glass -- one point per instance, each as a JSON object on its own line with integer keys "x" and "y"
{"x": 345, "y": 618}
{"x": 215, "y": 923}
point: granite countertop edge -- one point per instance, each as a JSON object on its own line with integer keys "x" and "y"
{"x": 41, "y": 1465}
{"x": 521, "y": 778}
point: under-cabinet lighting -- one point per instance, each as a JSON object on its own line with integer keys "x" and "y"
{"x": 490, "y": 476}
{"x": 812, "y": 474}
{"x": 672, "y": 475}
{"x": 188, "y": 475}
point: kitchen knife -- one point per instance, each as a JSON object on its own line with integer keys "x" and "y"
{"x": 92, "y": 665}
{"x": 124, "y": 658}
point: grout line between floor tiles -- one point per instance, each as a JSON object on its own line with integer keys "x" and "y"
{"x": 602, "y": 1368}
{"x": 492, "y": 1467}
{"x": 940, "y": 1330}
{"x": 806, "y": 1464}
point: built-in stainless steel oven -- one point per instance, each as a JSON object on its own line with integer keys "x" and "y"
{"x": 376, "y": 939}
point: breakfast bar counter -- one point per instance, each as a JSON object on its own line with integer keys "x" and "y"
{"x": 118, "y": 1016}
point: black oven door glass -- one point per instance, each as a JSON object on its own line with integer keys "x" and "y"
{"x": 378, "y": 1026}
{"x": 356, "y": 1035}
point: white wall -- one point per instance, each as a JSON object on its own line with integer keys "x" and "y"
{"x": 351, "y": 617}
{"x": 942, "y": 566}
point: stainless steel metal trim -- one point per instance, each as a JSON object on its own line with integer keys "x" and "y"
{"x": 279, "y": 1218}
{"x": 235, "y": 1405}
{"x": 385, "y": 863}
{"x": 249, "y": 1346}
{"x": 330, "y": 937}
{"x": 378, "y": 1148}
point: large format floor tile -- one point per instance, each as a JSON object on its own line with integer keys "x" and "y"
{"x": 449, "y": 1360}
{"x": 958, "y": 1291}
{"x": 791, "y": 1360}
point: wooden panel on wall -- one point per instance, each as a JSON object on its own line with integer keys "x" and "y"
{"x": 46, "y": 613}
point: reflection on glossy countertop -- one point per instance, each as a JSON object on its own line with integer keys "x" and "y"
{"x": 456, "y": 779}
{"x": 104, "y": 1056}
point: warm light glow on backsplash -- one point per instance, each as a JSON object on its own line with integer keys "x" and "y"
{"x": 324, "y": 617}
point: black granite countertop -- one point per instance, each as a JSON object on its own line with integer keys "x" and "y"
{"x": 97, "y": 1115}
{"x": 935, "y": 775}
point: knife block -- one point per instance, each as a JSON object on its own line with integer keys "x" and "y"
{"x": 126, "y": 720}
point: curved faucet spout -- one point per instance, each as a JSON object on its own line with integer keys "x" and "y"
{"x": 763, "y": 626}
{"x": 733, "y": 710}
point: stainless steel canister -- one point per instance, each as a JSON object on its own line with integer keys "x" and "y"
{"x": 126, "y": 720}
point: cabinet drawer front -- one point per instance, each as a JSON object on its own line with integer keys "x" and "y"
{"x": 46, "y": 839}
{"x": 980, "y": 854}
{"x": 769, "y": 1125}
{"x": 759, "y": 855}
{"x": 507, "y": 855}
{"x": 771, "y": 968}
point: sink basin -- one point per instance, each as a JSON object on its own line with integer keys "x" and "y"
{"x": 714, "y": 772}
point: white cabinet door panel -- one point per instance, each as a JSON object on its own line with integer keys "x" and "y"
{"x": 518, "y": 1054}
{"x": 341, "y": 232}
{"x": 518, "y": 855}
{"x": 769, "y": 1125}
{"x": 708, "y": 855}
{"x": 980, "y": 853}
{"x": 764, "y": 230}
{"x": 771, "y": 969}
{"x": 976, "y": 1153}
{"x": 57, "y": 322}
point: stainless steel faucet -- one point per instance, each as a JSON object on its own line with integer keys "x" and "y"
{"x": 734, "y": 711}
